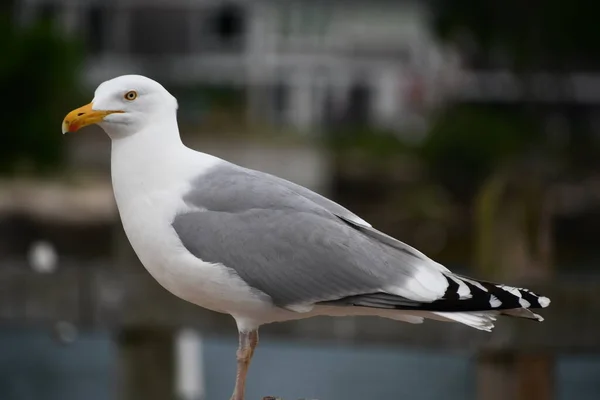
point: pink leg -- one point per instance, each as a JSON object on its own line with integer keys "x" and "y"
{"x": 248, "y": 342}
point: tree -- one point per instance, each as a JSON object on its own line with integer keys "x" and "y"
{"x": 38, "y": 73}
{"x": 524, "y": 38}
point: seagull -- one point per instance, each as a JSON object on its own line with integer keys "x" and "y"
{"x": 258, "y": 247}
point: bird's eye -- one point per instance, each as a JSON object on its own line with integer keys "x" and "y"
{"x": 131, "y": 95}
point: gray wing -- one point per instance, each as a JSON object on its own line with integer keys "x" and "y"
{"x": 331, "y": 206}
{"x": 290, "y": 243}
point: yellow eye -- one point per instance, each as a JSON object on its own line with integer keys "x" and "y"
{"x": 131, "y": 95}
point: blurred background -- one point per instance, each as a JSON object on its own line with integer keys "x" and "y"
{"x": 468, "y": 129}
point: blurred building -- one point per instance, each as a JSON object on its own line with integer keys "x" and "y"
{"x": 307, "y": 63}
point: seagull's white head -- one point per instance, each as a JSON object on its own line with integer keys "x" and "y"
{"x": 124, "y": 106}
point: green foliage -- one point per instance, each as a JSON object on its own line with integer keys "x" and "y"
{"x": 551, "y": 33}
{"x": 370, "y": 141}
{"x": 467, "y": 143}
{"x": 38, "y": 75}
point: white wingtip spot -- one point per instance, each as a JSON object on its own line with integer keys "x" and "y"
{"x": 544, "y": 301}
{"x": 464, "y": 292}
{"x": 512, "y": 290}
{"x": 524, "y": 303}
{"x": 494, "y": 301}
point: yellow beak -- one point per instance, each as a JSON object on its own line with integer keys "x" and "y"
{"x": 83, "y": 116}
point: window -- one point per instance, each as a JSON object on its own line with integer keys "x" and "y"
{"x": 222, "y": 29}
{"x": 281, "y": 99}
{"x": 359, "y": 103}
{"x": 309, "y": 19}
{"x": 228, "y": 24}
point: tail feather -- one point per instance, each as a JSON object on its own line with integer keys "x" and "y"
{"x": 484, "y": 321}
{"x": 523, "y": 313}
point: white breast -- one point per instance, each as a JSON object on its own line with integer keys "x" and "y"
{"x": 149, "y": 193}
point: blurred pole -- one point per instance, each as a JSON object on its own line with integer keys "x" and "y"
{"x": 146, "y": 364}
{"x": 513, "y": 225}
{"x": 302, "y": 106}
{"x": 189, "y": 368}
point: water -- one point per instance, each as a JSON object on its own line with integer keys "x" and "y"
{"x": 36, "y": 366}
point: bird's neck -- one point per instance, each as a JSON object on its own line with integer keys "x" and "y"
{"x": 148, "y": 160}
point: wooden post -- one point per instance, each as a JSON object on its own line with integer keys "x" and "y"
{"x": 146, "y": 353}
{"x": 146, "y": 364}
{"x": 509, "y": 205}
{"x": 505, "y": 375}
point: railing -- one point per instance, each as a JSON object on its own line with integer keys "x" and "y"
{"x": 104, "y": 295}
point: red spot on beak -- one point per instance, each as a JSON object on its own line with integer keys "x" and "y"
{"x": 73, "y": 127}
